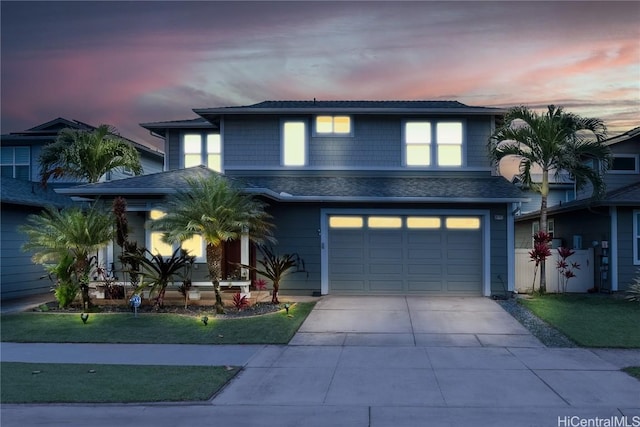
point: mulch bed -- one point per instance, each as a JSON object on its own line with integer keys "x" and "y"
{"x": 116, "y": 306}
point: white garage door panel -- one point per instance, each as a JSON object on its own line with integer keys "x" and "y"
{"x": 405, "y": 260}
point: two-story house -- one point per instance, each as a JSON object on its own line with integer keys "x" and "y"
{"x": 22, "y": 195}
{"x": 386, "y": 197}
{"x": 610, "y": 225}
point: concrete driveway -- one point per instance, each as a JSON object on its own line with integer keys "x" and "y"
{"x": 393, "y": 361}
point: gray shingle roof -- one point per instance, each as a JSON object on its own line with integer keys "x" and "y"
{"x": 351, "y": 107}
{"x": 318, "y": 188}
{"x": 391, "y": 188}
{"x": 160, "y": 183}
{"x": 27, "y": 193}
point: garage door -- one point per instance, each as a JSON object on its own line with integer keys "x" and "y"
{"x": 405, "y": 254}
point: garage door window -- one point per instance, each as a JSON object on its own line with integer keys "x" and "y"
{"x": 346, "y": 222}
{"x": 462, "y": 223}
{"x": 384, "y": 222}
{"x": 423, "y": 222}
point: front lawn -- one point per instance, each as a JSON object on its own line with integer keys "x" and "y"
{"x": 590, "y": 320}
{"x": 274, "y": 328}
{"x": 76, "y": 383}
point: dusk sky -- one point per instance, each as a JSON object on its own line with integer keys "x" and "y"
{"x": 123, "y": 63}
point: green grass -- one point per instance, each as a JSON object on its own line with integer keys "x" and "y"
{"x": 590, "y": 320}
{"x": 633, "y": 371}
{"x": 274, "y": 328}
{"x": 73, "y": 383}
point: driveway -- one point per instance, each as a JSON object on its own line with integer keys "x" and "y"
{"x": 393, "y": 361}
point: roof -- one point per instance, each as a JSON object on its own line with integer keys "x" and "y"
{"x": 352, "y": 107}
{"x": 27, "y": 193}
{"x": 161, "y": 127}
{"x": 635, "y": 132}
{"x": 49, "y": 131}
{"x": 624, "y": 196}
{"x": 417, "y": 188}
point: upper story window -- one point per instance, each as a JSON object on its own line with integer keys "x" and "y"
{"x": 625, "y": 164}
{"x": 202, "y": 149}
{"x": 333, "y": 125}
{"x": 294, "y": 143}
{"x": 433, "y": 143}
{"x": 15, "y": 162}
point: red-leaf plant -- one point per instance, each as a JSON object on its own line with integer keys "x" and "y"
{"x": 566, "y": 269}
{"x": 240, "y": 301}
{"x": 540, "y": 252}
{"x": 260, "y": 285}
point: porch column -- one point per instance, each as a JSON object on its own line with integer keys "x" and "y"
{"x": 244, "y": 252}
{"x": 613, "y": 249}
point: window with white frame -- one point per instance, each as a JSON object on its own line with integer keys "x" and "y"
{"x": 535, "y": 227}
{"x": 333, "y": 125}
{"x": 433, "y": 143}
{"x": 15, "y": 162}
{"x": 625, "y": 164}
{"x": 294, "y": 143}
{"x": 195, "y": 245}
{"x": 636, "y": 237}
{"x": 202, "y": 149}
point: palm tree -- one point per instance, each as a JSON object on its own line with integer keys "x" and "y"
{"x": 88, "y": 155}
{"x": 219, "y": 212}
{"x": 53, "y": 235}
{"x": 556, "y": 141}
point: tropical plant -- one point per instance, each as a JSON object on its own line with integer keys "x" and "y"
{"x": 275, "y": 267}
{"x": 554, "y": 142}
{"x": 88, "y": 155}
{"x": 240, "y": 301}
{"x": 74, "y": 232}
{"x": 633, "y": 293}
{"x": 61, "y": 273}
{"x": 566, "y": 269}
{"x": 219, "y": 212}
{"x": 539, "y": 253}
{"x": 260, "y": 285}
{"x": 158, "y": 271}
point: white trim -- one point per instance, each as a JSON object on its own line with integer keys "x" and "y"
{"x": 486, "y": 236}
{"x": 636, "y": 170}
{"x": 613, "y": 249}
{"x": 305, "y": 122}
{"x": 636, "y": 236}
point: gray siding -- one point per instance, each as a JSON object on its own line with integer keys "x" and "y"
{"x": 252, "y": 142}
{"x": 19, "y": 275}
{"x": 626, "y": 269}
{"x": 297, "y": 231}
{"x": 172, "y": 150}
{"x": 498, "y": 238}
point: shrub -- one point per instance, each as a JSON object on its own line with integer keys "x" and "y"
{"x": 240, "y": 301}
{"x": 633, "y": 293}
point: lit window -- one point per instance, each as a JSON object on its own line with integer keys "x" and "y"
{"x": 417, "y": 138}
{"x": 294, "y": 144}
{"x": 195, "y": 154}
{"x": 384, "y": 222}
{"x": 449, "y": 140}
{"x": 463, "y": 223}
{"x": 346, "y": 222}
{"x": 339, "y": 125}
{"x": 15, "y": 162}
{"x": 194, "y": 246}
{"x": 423, "y": 222}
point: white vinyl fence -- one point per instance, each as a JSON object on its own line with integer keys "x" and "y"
{"x": 525, "y": 270}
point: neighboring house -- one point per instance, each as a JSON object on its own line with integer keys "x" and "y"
{"x": 614, "y": 219}
{"x": 377, "y": 197}
{"x": 22, "y": 195}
